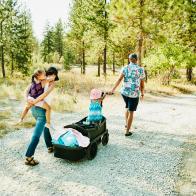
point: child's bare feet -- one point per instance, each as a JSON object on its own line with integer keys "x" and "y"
{"x": 19, "y": 122}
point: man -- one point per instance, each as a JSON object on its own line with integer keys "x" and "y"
{"x": 133, "y": 86}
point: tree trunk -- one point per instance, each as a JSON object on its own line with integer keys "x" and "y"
{"x": 2, "y": 52}
{"x": 12, "y": 66}
{"x": 140, "y": 39}
{"x": 189, "y": 73}
{"x": 105, "y": 59}
{"x": 2, "y": 61}
{"x": 83, "y": 59}
{"x": 48, "y": 48}
{"x": 105, "y": 47}
{"x": 81, "y": 67}
{"x": 99, "y": 66}
{"x": 146, "y": 75}
{"x": 113, "y": 64}
{"x": 168, "y": 76}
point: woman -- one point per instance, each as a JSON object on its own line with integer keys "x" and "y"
{"x": 133, "y": 76}
{"x": 40, "y": 115}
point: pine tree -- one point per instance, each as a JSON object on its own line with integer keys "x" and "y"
{"x": 16, "y": 37}
{"x": 59, "y": 38}
{"x": 79, "y": 27}
{"x": 48, "y": 44}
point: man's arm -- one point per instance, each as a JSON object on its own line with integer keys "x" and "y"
{"x": 142, "y": 88}
{"x": 45, "y": 94}
{"x": 117, "y": 82}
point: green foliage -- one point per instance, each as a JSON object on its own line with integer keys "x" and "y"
{"x": 52, "y": 46}
{"x": 163, "y": 33}
{"x": 47, "y": 45}
{"x": 16, "y": 37}
{"x": 165, "y": 59}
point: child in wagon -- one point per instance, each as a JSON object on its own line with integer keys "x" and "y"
{"x": 95, "y": 108}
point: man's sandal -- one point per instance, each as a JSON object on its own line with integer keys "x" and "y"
{"x": 50, "y": 149}
{"x": 31, "y": 161}
{"x": 128, "y": 134}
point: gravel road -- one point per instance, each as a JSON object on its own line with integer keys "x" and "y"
{"x": 147, "y": 163}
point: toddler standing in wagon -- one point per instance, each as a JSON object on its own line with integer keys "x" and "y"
{"x": 95, "y": 107}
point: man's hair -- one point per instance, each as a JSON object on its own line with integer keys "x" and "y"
{"x": 133, "y": 56}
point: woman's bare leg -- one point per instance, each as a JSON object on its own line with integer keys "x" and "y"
{"x": 48, "y": 113}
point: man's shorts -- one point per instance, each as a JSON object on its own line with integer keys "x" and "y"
{"x": 131, "y": 103}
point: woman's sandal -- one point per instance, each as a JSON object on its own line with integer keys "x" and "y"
{"x": 50, "y": 149}
{"x": 128, "y": 134}
{"x": 31, "y": 161}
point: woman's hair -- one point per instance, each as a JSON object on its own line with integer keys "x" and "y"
{"x": 36, "y": 74}
{"x": 51, "y": 71}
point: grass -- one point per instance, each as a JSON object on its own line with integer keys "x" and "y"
{"x": 4, "y": 129}
{"x": 74, "y": 82}
{"x": 63, "y": 103}
{"x": 184, "y": 87}
{"x": 5, "y": 115}
{"x": 155, "y": 87}
{"x": 7, "y": 127}
{"x": 8, "y": 119}
{"x": 176, "y": 87}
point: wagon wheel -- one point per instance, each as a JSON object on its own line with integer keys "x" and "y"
{"x": 99, "y": 141}
{"x": 92, "y": 151}
{"x": 105, "y": 139}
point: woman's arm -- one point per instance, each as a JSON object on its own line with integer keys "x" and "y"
{"x": 45, "y": 94}
{"x": 117, "y": 83}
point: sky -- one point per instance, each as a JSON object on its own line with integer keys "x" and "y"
{"x": 46, "y": 10}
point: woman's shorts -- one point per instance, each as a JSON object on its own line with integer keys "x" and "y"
{"x": 131, "y": 103}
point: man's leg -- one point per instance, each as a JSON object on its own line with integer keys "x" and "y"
{"x": 129, "y": 121}
{"x": 126, "y": 116}
{"x": 126, "y": 109}
{"x": 132, "y": 106}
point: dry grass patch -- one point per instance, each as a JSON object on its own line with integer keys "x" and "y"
{"x": 184, "y": 87}
{"x": 5, "y": 115}
{"x": 177, "y": 87}
{"x": 26, "y": 124}
{"x": 155, "y": 87}
{"x": 4, "y": 129}
{"x": 11, "y": 92}
{"x": 63, "y": 102}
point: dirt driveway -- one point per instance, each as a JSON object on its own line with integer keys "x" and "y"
{"x": 150, "y": 162}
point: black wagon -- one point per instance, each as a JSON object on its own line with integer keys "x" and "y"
{"x": 97, "y": 133}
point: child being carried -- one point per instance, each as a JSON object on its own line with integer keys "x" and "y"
{"x": 41, "y": 82}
